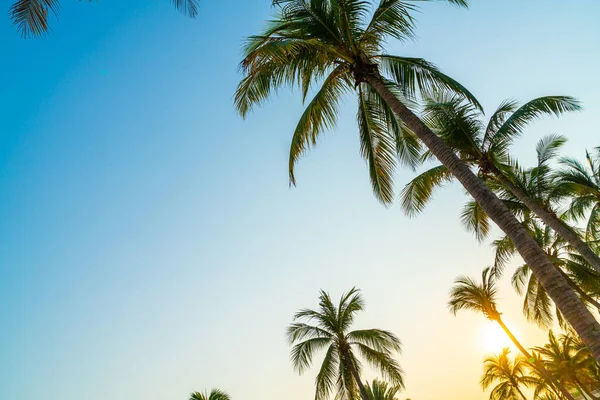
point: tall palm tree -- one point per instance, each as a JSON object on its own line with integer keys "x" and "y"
{"x": 340, "y": 44}
{"x": 215, "y": 394}
{"x": 31, "y": 16}
{"x": 582, "y": 183}
{"x": 341, "y": 367}
{"x": 568, "y": 364}
{"x": 510, "y": 375}
{"x": 486, "y": 147}
{"x": 467, "y": 294}
{"x": 381, "y": 390}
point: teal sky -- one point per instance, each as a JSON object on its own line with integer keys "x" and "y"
{"x": 150, "y": 245}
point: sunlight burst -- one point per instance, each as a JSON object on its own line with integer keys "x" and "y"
{"x": 493, "y": 338}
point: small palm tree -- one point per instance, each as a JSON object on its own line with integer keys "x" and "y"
{"x": 31, "y": 16}
{"x": 467, "y": 294}
{"x": 486, "y": 147}
{"x": 581, "y": 183}
{"x": 215, "y": 394}
{"x": 510, "y": 375}
{"x": 380, "y": 390}
{"x": 339, "y": 45}
{"x": 341, "y": 367}
{"x": 569, "y": 364}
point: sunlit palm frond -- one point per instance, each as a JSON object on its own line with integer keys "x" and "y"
{"x": 188, "y": 7}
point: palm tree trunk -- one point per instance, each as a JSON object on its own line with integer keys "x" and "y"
{"x": 551, "y": 220}
{"x": 536, "y": 364}
{"x": 350, "y": 364}
{"x": 559, "y": 290}
{"x": 516, "y": 385}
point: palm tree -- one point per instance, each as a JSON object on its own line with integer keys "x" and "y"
{"x": 569, "y": 364}
{"x": 467, "y": 294}
{"x": 215, "y": 394}
{"x": 380, "y": 390}
{"x": 582, "y": 183}
{"x": 510, "y": 375}
{"x": 341, "y": 367}
{"x": 537, "y": 305}
{"x": 31, "y": 16}
{"x": 333, "y": 42}
{"x": 486, "y": 147}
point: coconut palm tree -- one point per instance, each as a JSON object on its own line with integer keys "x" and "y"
{"x": 582, "y": 184}
{"x": 510, "y": 374}
{"x": 537, "y": 305}
{"x": 215, "y": 394}
{"x": 381, "y": 390}
{"x": 486, "y": 148}
{"x": 31, "y": 16}
{"x": 340, "y": 44}
{"x": 568, "y": 364}
{"x": 341, "y": 367}
{"x": 468, "y": 294}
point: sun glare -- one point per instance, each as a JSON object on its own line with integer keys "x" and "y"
{"x": 493, "y": 338}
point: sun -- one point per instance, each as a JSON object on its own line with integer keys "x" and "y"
{"x": 493, "y": 338}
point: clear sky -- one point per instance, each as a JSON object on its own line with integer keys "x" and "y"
{"x": 150, "y": 245}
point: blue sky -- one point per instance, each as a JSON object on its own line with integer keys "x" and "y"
{"x": 150, "y": 245}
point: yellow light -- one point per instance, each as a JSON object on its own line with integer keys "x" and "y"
{"x": 494, "y": 339}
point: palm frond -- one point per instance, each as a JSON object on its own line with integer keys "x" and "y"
{"x": 31, "y": 16}
{"x": 377, "y": 147}
{"x": 415, "y": 76}
{"x": 475, "y": 220}
{"x": 418, "y": 192}
{"x": 188, "y": 7}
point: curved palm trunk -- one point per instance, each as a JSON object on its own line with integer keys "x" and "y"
{"x": 559, "y": 290}
{"x": 536, "y": 365}
{"x": 551, "y": 220}
{"x": 348, "y": 360}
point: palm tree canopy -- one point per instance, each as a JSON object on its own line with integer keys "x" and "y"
{"x": 31, "y": 16}
{"x": 468, "y": 294}
{"x": 334, "y": 44}
{"x": 484, "y": 146}
{"x": 581, "y": 183}
{"x": 381, "y": 390}
{"x": 509, "y": 373}
{"x": 569, "y": 361}
{"x": 215, "y": 394}
{"x": 330, "y": 332}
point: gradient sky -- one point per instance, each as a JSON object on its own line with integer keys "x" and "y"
{"x": 150, "y": 245}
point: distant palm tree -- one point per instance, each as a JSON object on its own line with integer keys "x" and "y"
{"x": 509, "y": 374}
{"x": 31, "y": 16}
{"x": 467, "y": 294}
{"x": 215, "y": 394}
{"x": 341, "y": 368}
{"x": 582, "y": 184}
{"x": 569, "y": 364}
{"x": 339, "y": 45}
{"x": 380, "y": 390}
